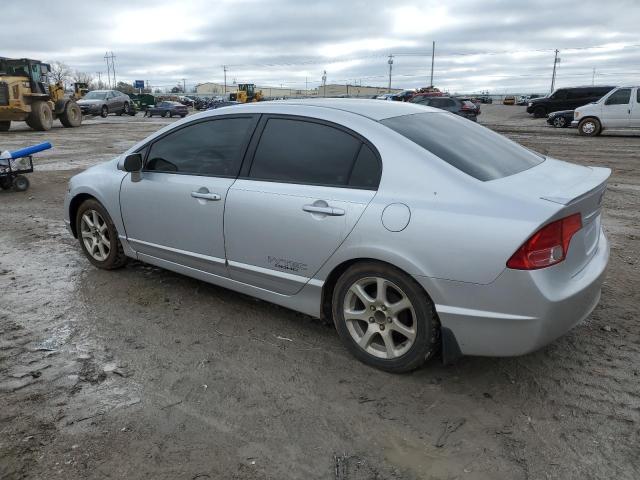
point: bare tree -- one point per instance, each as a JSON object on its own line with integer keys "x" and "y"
{"x": 82, "y": 77}
{"x": 60, "y": 72}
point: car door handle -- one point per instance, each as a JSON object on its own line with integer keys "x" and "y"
{"x": 334, "y": 212}
{"x": 206, "y": 196}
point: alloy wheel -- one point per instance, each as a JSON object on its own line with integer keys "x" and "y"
{"x": 380, "y": 317}
{"x": 95, "y": 235}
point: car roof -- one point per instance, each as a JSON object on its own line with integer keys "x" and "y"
{"x": 373, "y": 109}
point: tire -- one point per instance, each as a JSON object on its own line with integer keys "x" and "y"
{"x": 102, "y": 247}
{"x": 539, "y": 112}
{"x": 6, "y": 183}
{"x": 125, "y": 109}
{"x": 20, "y": 183}
{"x": 166, "y": 114}
{"x": 560, "y": 122}
{"x": 589, "y": 127}
{"x": 182, "y": 116}
{"x": 5, "y": 126}
{"x": 397, "y": 339}
{"x": 41, "y": 116}
{"x": 72, "y": 115}
{"x": 104, "y": 111}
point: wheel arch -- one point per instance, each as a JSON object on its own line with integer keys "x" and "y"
{"x": 74, "y": 205}
{"x": 592, "y": 117}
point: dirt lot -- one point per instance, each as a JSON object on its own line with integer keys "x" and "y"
{"x": 142, "y": 373}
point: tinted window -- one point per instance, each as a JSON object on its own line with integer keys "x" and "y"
{"x": 619, "y": 97}
{"x": 366, "y": 171}
{"x": 206, "y": 148}
{"x": 304, "y": 152}
{"x": 475, "y": 150}
{"x": 560, "y": 95}
{"x": 576, "y": 94}
{"x": 442, "y": 102}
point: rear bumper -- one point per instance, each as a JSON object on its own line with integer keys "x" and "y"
{"x": 521, "y": 311}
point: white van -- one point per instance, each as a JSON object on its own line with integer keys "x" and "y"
{"x": 620, "y": 108}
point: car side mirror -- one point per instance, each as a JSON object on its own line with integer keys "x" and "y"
{"x": 133, "y": 162}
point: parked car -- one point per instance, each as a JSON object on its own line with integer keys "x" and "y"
{"x": 411, "y": 228}
{"x": 463, "y": 107}
{"x": 523, "y": 100}
{"x": 485, "y": 99}
{"x": 618, "y": 109}
{"x": 509, "y": 100}
{"x": 561, "y": 119}
{"x": 566, "y": 99}
{"x": 167, "y": 109}
{"x": 222, "y": 103}
{"x": 104, "y": 102}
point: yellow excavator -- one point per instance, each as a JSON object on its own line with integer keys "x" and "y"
{"x": 27, "y": 96}
{"x": 246, "y": 93}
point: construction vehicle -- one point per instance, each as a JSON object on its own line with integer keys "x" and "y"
{"x": 80, "y": 89}
{"x": 27, "y": 96}
{"x": 246, "y": 93}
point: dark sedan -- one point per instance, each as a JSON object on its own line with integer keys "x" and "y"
{"x": 561, "y": 119}
{"x": 167, "y": 109}
{"x": 464, "y": 108}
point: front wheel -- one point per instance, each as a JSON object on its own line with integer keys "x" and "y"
{"x": 98, "y": 236}
{"x": 21, "y": 183}
{"x": 104, "y": 111}
{"x": 71, "y": 116}
{"x": 384, "y": 317}
{"x": 125, "y": 109}
{"x": 560, "y": 122}
{"x": 589, "y": 127}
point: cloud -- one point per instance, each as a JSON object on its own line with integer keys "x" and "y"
{"x": 502, "y": 45}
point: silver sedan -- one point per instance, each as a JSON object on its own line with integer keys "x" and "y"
{"x": 413, "y": 229}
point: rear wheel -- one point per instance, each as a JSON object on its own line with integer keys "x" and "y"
{"x": 589, "y": 127}
{"x": 167, "y": 114}
{"x": 72, "y": 115}
{"x": 104, "y": 111}
{"x": 98, "y": 236}
{"x": 20, "y": 183}
{"x": 41, "y": 116}
{"x": 539, "y": 112}
{"x": 5, "y": 126}
{"x": 125, "y": 109}
{"x": 384, "y": 318}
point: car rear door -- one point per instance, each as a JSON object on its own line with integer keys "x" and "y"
{"x": 306, "y": 187}
{"x": 175, "y": 210}
{"x": 616, "y": 110}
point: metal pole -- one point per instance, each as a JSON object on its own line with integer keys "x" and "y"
{"x": 106, "y": 59}
{"x": 113, "y": 66}
{"x": 224, "y": 67}
{"x": 593, "y": 76}
{"x": 433, "y": 56}
{"x": 553, "y": 77}
{"x": 184, "y": 86}
{"x": 390, "y": 62}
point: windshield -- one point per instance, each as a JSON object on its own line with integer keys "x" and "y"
{"x": 465, "y": 145}
{"x": 12, "y": 67}
{"x": 95, "y": 96}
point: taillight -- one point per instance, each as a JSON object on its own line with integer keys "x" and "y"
{"x": 547, "y": 246}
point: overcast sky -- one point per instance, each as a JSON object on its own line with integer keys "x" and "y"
{"x": 480, "y": 45}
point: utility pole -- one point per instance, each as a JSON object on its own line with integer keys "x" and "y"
{"x": 184, "y": 86}
{"x": 390, "y": 62}
{"x": 433, "y": 56}
{"x": 593, "y": 76}
{"x": 556, "y": 60}
{"x": 306, "y": 86}
{"x": 111, "y": 67}
{"x": 106, "y": 59}
{"x": 99, "y": 79}
{"x": 324, "y": 83}
{"x": 224, "y": 68}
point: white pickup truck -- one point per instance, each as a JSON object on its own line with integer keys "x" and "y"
{"x": 619, "y": 109}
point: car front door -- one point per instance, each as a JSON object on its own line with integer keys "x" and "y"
{"x": 174, "y": 211}
{"x": 616, "y": 111}
{"x": 635, "y": 109}
{"x": 307, "y": 186}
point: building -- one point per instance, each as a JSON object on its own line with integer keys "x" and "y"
{"x": 210, "y": 88}
{"x": 337, "y": 90}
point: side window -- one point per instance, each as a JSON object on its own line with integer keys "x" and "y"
{"x": 560, "y": 95}
{"x": 208, "y": 148}
{"x": 638, "y": 95}
{"x": 304, "y": 152}
{"x": 447, "y": 102}
{"x": 619, "y": 97}
{"x": 576, "y": 94}
{"x": 366, "y": 171}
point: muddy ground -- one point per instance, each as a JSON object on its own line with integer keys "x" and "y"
{"x": 142, "y": 373}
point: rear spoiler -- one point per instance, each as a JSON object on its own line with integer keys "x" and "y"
{"x": 597, "y": 180}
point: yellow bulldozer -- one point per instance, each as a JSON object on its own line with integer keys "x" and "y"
{"x": 246, "y": 93}
{"x": 27, "y": 96}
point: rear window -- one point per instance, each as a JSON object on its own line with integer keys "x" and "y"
{"x": 471, "y": 148}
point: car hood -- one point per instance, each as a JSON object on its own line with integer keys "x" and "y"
{"x": 537, "y": 99}
{"x": 89, "y": 102}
